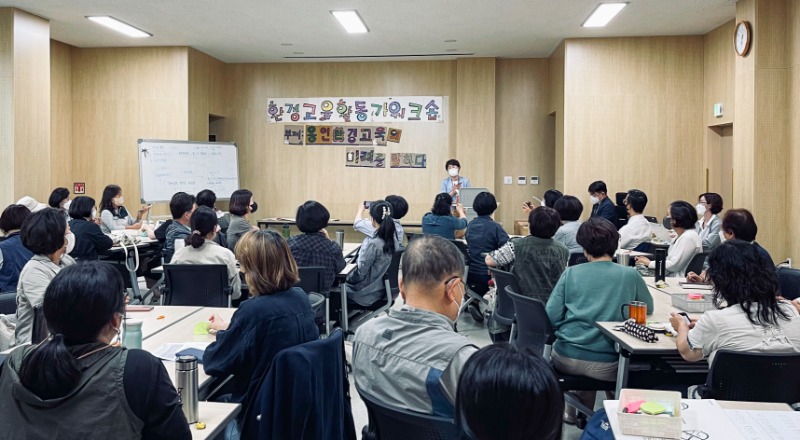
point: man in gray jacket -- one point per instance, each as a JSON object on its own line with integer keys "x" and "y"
{"x": 412, "y": 357}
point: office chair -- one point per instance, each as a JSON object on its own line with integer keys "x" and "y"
{"x": 197, "y": 285}
{"x": 472, "y": 296}
{"x": 356, "y": 317}
{"x": 753, "y": 377}
{"x": 312, "y": 278}
{"x": 8, "y": 303}
{"x": 790, "y": 282}
{"x": 696, "y": 265}
{"x": 389, "y": 423}
{"x": 504, "y": 306}
{"x": 576, "y": 258}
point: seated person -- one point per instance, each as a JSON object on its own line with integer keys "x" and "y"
{"x": 114, "y": 216}
{"x": 551, "y": 196}
{"x": 241, "y": 206}
{"x": 208, "y": 199}
{"x": 181, "y": 207}
{"x": 685, "y": 246}
{"x": 31, "y": 203}
{"x": 399, "y": 210}
{"x": 80, "y": 377}
{"x": 483, "y": 235}
{"x": 89, "y": 239}
{"x": 500, "y": 387}
{"x": 708, "y": 225}
{"x": 737, "y": 224}
{"x": 393, "y": 359}
{"x": 45, "y": 234}
{"x": 638, "y": 229}
{"x": 602, "y": 206}
{"x": 365, "y": 283}
{"x": 59, "y": 199}
{"x": 588, "y": 293}
{"x": 13, "y": 255}
{"x": 540, "y": 260}
{"x": 314, "y": 247}
{"x": 569, "y": 208}
{"x": 201, "y": 248}
{"x": 275, "y": 317}
{"x": 753, "y": 319}
{"x": 440, "y": 220}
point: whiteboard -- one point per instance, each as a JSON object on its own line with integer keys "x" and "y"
{"x": 167, "y": 167}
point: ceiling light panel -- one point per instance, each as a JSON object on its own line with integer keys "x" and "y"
{"x": 119, "y": 26}
{"x": 603, "y": 14}
{"x": 351, "y": 21}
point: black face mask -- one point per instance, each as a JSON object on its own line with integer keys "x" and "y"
{"x": 254, "y": 207}
{"x": 667, "y": 222}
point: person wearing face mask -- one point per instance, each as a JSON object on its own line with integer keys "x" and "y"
{"x": 638, "y": 229}
{"x": 45, "y": 234}
{"x": 59, "y": 199}
{"x": 201, "y": 248}
{"x": 113, "y": 215}
{"x": 181, "y": 206}
{"x": 413, "y": 376}
{"x": 737, "y": 224}
{"x": 602, "y": 206}
{"x": 708, "y": 225}
{"x": 80, "y": 383}
{"x": 13, "y": 255}
{"x": 89, "y": 239}
{"x": 685, "y": 246}
{"x": 241, "y": 206}
{"x": 453, "y": 182}
{"x": 585, "y": 294}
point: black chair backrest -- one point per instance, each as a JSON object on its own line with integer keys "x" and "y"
{"x": 731, "y": 377}
{"x": 504, "y": 306}
{"x": 696, "y": 265}
{"x": 532, "y": 327}
{"x": 8, "y": 303}
{"x": 393, "y": 272}
{"x": 790, "y": 282}
{"x": 576, "y": 258}
{"x": 651, "y": 219}
{"x": 387, "y": 423}
{"x": 312, "y": 279}
{"x": 197, "y": 285}
{"x": 39, "y": 331}
{"x": 464, "y": 248}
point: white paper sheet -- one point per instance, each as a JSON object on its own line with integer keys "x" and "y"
{"x": 702, "y": 420}
{"x": 168, "y": 350}
{"x": 766, "y": 425}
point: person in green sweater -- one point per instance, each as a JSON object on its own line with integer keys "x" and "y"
{"x": 588, "y": 293}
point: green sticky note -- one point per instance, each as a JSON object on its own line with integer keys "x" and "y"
{"x": 201, "y": 328}
{"x": 652, "y": 408}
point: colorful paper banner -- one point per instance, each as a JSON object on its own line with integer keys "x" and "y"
{"x": 409, "y": 160}
{"x": 365, "y": 158}
{"x": 359, "y": 109}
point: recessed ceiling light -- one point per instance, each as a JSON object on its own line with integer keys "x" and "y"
{"x": 286, "y": 44}
{"x": 450, "y": 41}
{"x": 603, "y": 13}
{"x": 119, "y": 26}
{"x": 351, "y": 21}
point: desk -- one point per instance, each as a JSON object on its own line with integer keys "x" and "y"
{"x": 216, "y": 416}
{"x": 183, "y": 331}
{"x": 628, "y": 346}
{"x": 151, "y": 324}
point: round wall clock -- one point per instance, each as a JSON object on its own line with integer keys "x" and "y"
{"x": 742, "y": 36}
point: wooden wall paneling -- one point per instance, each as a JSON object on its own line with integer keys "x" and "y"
{"x": 206, "y": 92}
{"x": 61, "y": 114}
{"x": 525, "y": 143}
{"x": 475, "y": 119}
{"x": 556, "y": 89}
{"x": 633, "y": 117}
{"x": 793, "y": 102}
{"x": 31, "y": 106}
{"x": 120, "y": 96}
{"x": 7, "y": 195}
{"x": 718, "y": 74}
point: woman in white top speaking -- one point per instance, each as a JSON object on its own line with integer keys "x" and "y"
{"x": 453, "y": 182}
{"x": 685, "y": 246}
{"x": 708, "y": 225}
{"x": 113, "y": 215}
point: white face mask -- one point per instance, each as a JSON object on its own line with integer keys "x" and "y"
{"x": 94, "y": 212}
{"x": 594, "y": 200}
{"x": 722, "y": 238}
{"x": 701, "y": 209}
{"x": 70, "y": 242}
{"x": 453, "y": 172}
{"x": 118, "y": 201}
{"x": 66, "y": 205}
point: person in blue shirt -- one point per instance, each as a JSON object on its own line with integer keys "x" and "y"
{"x": 454, "y": 182}
{"x": 602, "y": 206}
{"x": 13, "y": 255}
{"x": 440, "y": 221}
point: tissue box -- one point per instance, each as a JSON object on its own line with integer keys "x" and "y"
{"x": 650, "y": 425}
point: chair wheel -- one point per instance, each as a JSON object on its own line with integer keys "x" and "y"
{"x": 581, "y": 421}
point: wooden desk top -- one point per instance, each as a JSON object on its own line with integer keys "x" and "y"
{"x": 216, "y": 416}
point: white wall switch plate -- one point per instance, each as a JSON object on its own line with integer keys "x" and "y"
{"x": 507, "y": 180}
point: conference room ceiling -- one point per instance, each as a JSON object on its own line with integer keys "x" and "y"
{"x": 250, "y": 31}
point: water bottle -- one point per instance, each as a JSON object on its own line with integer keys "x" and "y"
{"x": 132, "y": 338}
{"x": 286, "y": 233}
{"x": 661, "y": 264}
{"x": 186, "y": 384}
{"x": 340, "y": 238}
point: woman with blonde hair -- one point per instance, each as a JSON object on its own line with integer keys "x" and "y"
{"x": 276, "y": 316}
